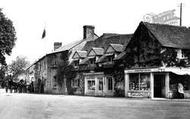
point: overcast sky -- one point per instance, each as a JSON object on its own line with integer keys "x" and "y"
{"x": 64, "y": 19}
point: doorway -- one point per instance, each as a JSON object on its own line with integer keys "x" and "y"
{"x": 159, "y": 85}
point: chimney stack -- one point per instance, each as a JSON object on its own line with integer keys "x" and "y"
{"x": 57, "y": 45}
{"x": 88, "y": 32}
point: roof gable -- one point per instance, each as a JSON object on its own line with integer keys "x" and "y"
{"x": 98, "y": 51}
{"x": 117, "y": 47}
{"x": 95, "y": 51}
{"x": 110, "y": 49}
{"x": 82, "y": 54}
{"x": 91, "y": 53}
{"x": 76, "y": 55}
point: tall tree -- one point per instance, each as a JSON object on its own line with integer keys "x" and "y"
{"x": 7, "y": 37}
{"x": 18, "y": 67}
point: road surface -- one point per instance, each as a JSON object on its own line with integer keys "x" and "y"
{"x": 34, "y": 106}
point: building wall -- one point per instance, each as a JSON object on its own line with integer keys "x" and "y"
{"x": 52, "y": 86}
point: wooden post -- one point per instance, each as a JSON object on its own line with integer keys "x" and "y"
{"x": 167, "y": 81}
{"x": 85, "y": 86}
{"x": 152, "y": 85}
{"x": 181, "y": 14}
{"x": 96, "y": 86}
{"x": 126, "y": 84}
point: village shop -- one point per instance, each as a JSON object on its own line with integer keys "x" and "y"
{"x": 157, "y": 82}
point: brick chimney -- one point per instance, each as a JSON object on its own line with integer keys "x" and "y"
{"x": 88, "y": 32}
{"x": 57, "y": 45}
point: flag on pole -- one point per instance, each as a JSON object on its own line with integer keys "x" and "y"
{"x": 44, "y": 34}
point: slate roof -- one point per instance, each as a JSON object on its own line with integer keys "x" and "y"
{"x": 82, "y": 53}
{"x": 120, "y": 56}
{"x": 103, "y": 58}
{"x": 98, "y": 51}
{"x": 84, "y": 61}
{"x": 106, "y": 39}
{"x": 170, "y": 36}
{"x": 69, "y": 46}
{"x": 117, "y": 47}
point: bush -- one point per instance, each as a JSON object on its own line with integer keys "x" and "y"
{"x": 119, "y": 93}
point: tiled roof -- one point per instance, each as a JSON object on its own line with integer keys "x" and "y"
{"x": 117, "y": 47}
{"x": 98, "y": 51}
{"x": 68, "y": 46}
{"x": 82, "y": 53}
{"x": 170, "y": 36}
{"x": 84, "y": 61}
{"x": 120, "y": 56}
{"x": 103, "y": 58}
{"x": 106, "y": 39}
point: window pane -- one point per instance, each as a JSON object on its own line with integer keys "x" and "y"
{"x": 101, "y": 84}
{"x": 139, "y": 81}
{"x": 144, "y": 81}
{"x": 133, "y": 82}
{"x": 91, "y": 85}
{"x": 110, "y": 83}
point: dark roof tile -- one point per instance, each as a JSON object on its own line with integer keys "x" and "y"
{"x": 106, "y": 39}
{"x": 98, "y": 51}
{"x": 117, "y": 47}
{"x": 170, "y": 36}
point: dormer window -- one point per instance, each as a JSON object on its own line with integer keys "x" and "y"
{"x": 76, "y": 63}
{"x": 92, "y": 61}
{"x": 110, "y": 58}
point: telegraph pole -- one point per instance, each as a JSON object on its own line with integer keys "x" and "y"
{"x": 180, "y": 14}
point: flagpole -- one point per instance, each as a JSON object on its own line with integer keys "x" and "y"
{"x": 180, "y": 14}
{"x": 44, "y": 38}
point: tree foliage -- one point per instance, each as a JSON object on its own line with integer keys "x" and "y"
{"x": 65, "y": 72}
{"x": 7, "y": 37}
{"x": 3, "y": 69}
{"x": 18, "y": 66}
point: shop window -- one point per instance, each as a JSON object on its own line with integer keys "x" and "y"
{"x": 100, "y": 83}
{"x": 139, "y": 81}
{"x": 110, "y": 83}
{"x": 91, "y": 85}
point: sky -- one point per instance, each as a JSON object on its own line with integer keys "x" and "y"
{"x": 64, "y": 20}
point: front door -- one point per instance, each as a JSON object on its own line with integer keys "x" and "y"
{"x": 159, "y": 85}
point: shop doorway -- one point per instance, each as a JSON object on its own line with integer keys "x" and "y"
{"x": 159, "y": 85}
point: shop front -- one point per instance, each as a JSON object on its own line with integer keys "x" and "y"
{"x": 98, "y": 84}
{"x": 152, "y": 83}
{"x": 147, "y": 83}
